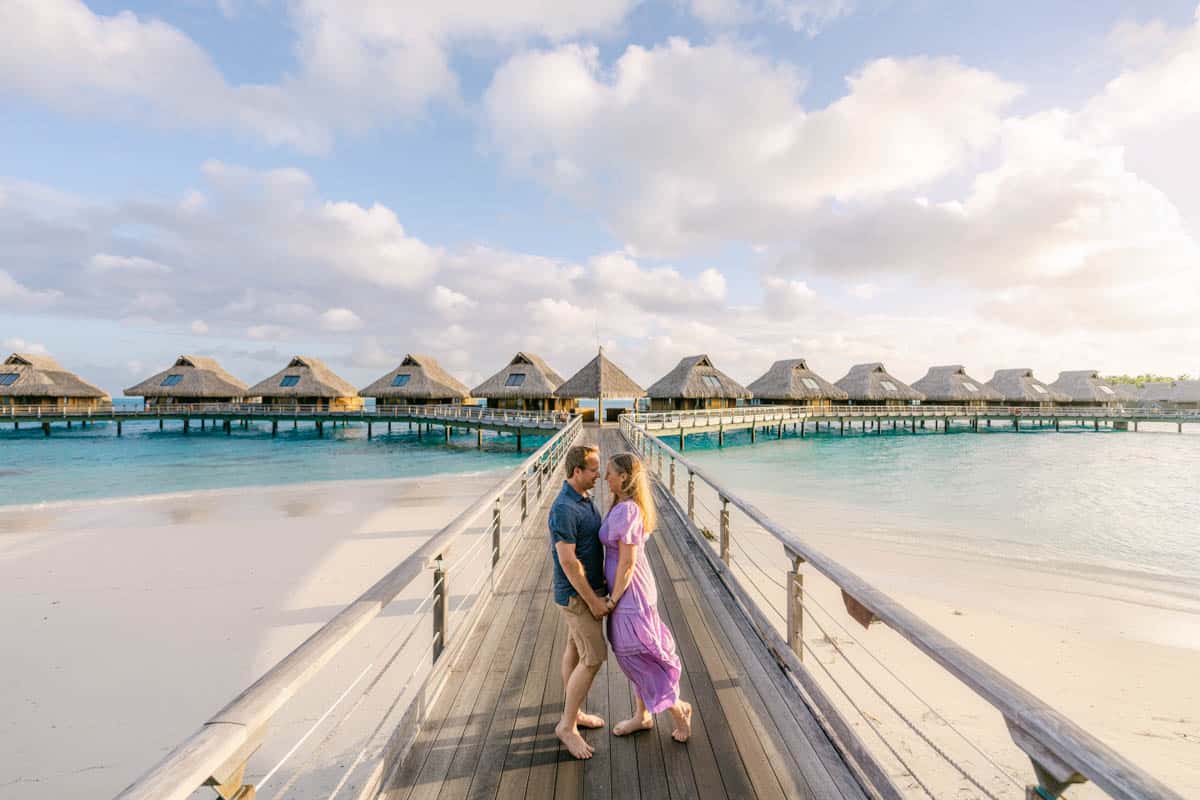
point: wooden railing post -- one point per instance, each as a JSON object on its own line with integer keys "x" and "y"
{"x": 496, "y": 533}
{"x": 672, "y": 476}
{"x": 725, "y": 530}
{"x": 441, "y": 608}
{"x": 691, "y": 496}
{"x": 795, "y": 607}
{"x": 524, "y": 498}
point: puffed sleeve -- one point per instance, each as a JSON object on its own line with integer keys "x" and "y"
{"x": 627, "y": 522}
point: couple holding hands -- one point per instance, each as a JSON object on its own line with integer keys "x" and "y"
{"x": 601, "y": 574}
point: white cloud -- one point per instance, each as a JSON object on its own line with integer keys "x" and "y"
{"x": 106, "y": 262}
{"x": 450, "y": 303}
{"x": 268, "y": 332}
{"x": 865, "y": 291}
{"x": 783, "y": 298}
{"x": 14, "y": 293}
{"x": 18, "y": 345}
{"x": 340, "y": 320}
{"x": 198, "y": 327}
{"x": 902, "y": 124}
{"x": 358, "y": 65}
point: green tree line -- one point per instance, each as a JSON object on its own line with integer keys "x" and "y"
{"x": 1142, "y": 380}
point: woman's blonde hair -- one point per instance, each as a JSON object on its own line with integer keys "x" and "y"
{"x": 635, "y": 486}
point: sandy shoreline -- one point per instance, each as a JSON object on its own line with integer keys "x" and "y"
{"x": 129, "y": 622}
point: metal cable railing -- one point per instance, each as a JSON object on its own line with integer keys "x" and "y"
{"x": 1060, "y": 751}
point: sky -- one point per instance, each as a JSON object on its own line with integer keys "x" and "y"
{"x": 920, "y": 183}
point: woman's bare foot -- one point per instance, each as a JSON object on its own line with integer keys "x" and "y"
{"x": 681, "y": 712}
{"x": 585, "y": 720}
{"x": 633, "y": 725}
{"x": 574, "y": 743}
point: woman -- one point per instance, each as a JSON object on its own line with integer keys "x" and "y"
{"x": 641, "y": 642}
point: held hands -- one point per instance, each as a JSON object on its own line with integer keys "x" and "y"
{"x": 601, "y": 608}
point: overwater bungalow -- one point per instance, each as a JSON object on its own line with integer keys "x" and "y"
{"x": 1128, "y": 394}
{"x": 1018, "y": 387}
{"x": 191, "y": 379}
{"x": 28, "y": 379}
{"x": 695, "y": 384}
{"x": 790, "y": 382}
{"x": 1185, "y": 395}
{"x": 600, "y": 378}
{"x": 526, "y": 383}
{"x": 1156, "y": 393}
{"x": 952, "y": 386}
{"x": 871, "y": 384}
{"x": 418, "y": 381}
{"x": 1085, "y": 387}
{"x": 306, "y": 381}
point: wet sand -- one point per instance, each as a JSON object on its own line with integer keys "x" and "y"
{"x": 129, "y": 622}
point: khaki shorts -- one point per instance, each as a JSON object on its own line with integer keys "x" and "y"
{"x": 585, "y": 631}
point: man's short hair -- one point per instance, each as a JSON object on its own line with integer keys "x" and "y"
{"x": 577, "y": 457}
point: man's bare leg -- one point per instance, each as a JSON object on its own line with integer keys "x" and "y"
{"x": 567, "y": 730}
{"x": 642, "y": 720}
{"x": 569, "y": 661}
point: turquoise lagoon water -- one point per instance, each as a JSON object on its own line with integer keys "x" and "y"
{"x": 1122, "y": 501}
{"x": 92, "y": 463}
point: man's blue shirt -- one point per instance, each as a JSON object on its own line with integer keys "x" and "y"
{"x": 574, "y": 519}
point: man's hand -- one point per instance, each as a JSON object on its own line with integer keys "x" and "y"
{"x": 598, "y": 607}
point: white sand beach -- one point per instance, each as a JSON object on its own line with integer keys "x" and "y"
{"x": 128, "y": 622}
{"x": 1116, "y": 652}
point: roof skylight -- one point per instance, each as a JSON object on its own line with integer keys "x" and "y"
{"x": 970, "y": 387}
{"x": 9, "y": 378}
{"x": 289, "y": 380}
{"x": 888, "y": 386}
{"x": 171, "y": 380}
{"x": 402, "y": 379}
{"x": 809, "y": 383}
{"x": 515, "y": 379}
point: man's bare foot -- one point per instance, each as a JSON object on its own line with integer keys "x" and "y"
{"x": 681, "y": 712}
{"x": 574, "y": 743}
{"x": 585, "y": 720}
{"x": 633, "y": 725}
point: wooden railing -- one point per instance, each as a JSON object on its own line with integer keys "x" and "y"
{"x": 1061, "y": 752}
{"x": 217, "y": 754}
{"x": 439, "y": 413}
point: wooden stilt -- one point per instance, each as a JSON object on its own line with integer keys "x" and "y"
{"x": 518, "y": 441}
{"x": 46, "y": 428}
{"x": 118, "y": 427}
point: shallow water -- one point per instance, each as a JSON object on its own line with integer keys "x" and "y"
{"x": 93, "y": 463}
{"x": 1122, "y": 501}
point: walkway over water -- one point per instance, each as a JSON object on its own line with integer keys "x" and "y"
{"x": 491, "y": 734}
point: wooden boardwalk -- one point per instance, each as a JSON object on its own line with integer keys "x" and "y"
{"x": 491, "y": 732}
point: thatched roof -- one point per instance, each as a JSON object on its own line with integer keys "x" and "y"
{"x": 695, "y": 378}
{"x": 1085, "y": 386}
{"x": 198, "y": 377}
{"x": 42, "y": 376}
{"x": 1019, "y": 386}
{"x": 1185, "y": 392}
{"x": 791, "y": 379}
{"x": 1156, "y": 391}
{"x": 1126, "y": 391}
{"x": 539, "y": 381}
{"x": 418, "y": 378}
{"x": 312, "y": 379}
{"x": 599, "y": 378}
{"x": 952, "y": 384}
{"x": 871, "y": 383}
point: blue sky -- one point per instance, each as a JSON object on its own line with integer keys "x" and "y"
{"x": 844, "y": 180}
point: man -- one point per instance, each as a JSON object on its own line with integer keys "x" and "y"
{"x": 580, "y": 590}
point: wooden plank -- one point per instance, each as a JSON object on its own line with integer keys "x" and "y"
{"x": 496, "y": 739}
{"x": 622, "y": 749}
{"x": 547, "y": 751}
{"x": 523, "y": 742}
{"x": 652, "y": 773}
{"x": 716, "y": 763}
{"x": 483, "y": 710}
{"x": 597, "y": 772}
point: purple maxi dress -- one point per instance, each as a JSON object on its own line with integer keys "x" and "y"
{"x": 641, "y": 642}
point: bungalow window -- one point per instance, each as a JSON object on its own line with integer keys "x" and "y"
{"x": 9, "y": 378}
{"x": 515, "y": 379}
{"x": 970, "y": 387}
{"x": 888, "y": 386}
{"x": 711, "y": 381}
{"x": 1038, "y": 389}
{"x": 289, "y": 380}
{"x": 401, "y": 379}
{"x": 809, "y": 383}
{"x": 171, "y": 380}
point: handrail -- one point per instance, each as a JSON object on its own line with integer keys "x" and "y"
{"x": 1055, "y": 744}
{"x": 234, "y": 732}
{"x": 797, "y": 413}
